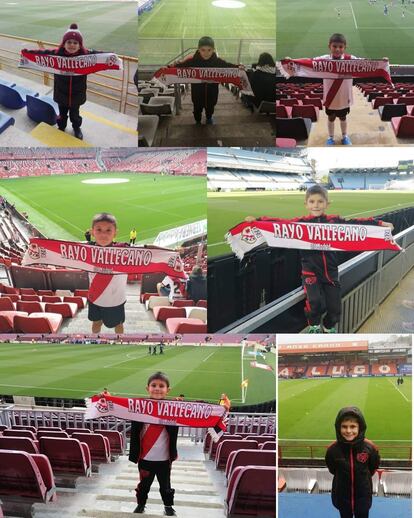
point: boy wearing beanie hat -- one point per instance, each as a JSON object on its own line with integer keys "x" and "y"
{"x": 205, "y": 95}
{"x": 352, "y": 460}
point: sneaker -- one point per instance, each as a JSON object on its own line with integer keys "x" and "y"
{"x": 169, "y": 511}
{"x": 314, "y": 329}
{"x": 330, "y": 141}
{"x": 329, "y": 329}
{"x": 346, "y": 141}
{"x": 78, "y": 133}
{"x": 198, "y": 123}
{"x": 61, "y": 129}
{"x": 210, "y": 120}
{"x": 140, "y": 509}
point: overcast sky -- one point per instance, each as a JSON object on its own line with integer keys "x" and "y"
{"x": 346, "y": 156}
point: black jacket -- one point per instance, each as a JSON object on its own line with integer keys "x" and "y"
{"x": 135, "y": 444}
{"x": 205, "y": 94}
{"x": 197, "y": 288}
{"x": 324, "y": 264}
{"x": 263, "y": 85}
{"x": 353, "y": 465}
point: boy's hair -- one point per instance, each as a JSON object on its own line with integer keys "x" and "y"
{"x": 206, "y": 41}
{"x": 316, "y": 189}
{"x": 103, "y": 216}
{"x": 337, "y": 37}
{"x": 266, "y": 59}
{"x": 350, "y": 418}
{"x": 159, "y": 376}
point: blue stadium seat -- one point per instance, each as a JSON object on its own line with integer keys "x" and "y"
{"x": 14, "y": 97}
{"x": 5, "y": 121}
{"x": 42, "y": 109}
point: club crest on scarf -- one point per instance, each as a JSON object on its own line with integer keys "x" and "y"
{"x": 103, "y": 406}
{"x": 248, "y": 235}
{"x": 36, "y": 252}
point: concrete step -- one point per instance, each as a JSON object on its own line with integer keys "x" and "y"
{"x": 51, "y": 136}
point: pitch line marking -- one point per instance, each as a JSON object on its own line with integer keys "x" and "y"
{"x": 125, "y": 361}
{"x": 409, "y": 203}
{"x": 205, "y": 359}
{"x": 353, "y": 15}
{"x": 396, "y": 388}
{"x": 331, "y": 439}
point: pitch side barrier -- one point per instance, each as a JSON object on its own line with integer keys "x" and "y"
{"x": 255, "y": 423}
{"x": 259, "y": 294}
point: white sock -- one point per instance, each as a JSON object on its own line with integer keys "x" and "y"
{"x": 331, "y": 128}
{"x": 344, "y": 127}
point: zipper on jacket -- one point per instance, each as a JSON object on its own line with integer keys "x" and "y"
{"x": 351, "y": 458}
{"x": 325, "y": 266}
{"x": 70, "y": 91}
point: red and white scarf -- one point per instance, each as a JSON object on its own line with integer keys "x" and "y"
{"x": 104, "y": 259}
{"x": 236, "y": 76}
{"x": 341, "y": 237}
{"x": 71, "y": 66}
{"x": 162, "y": 411}
{"x": 335, "y": 68}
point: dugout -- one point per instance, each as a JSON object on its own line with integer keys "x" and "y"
{"x": 263, "y": 293}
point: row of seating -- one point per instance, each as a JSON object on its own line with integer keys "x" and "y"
{"x": 179, "y": 317}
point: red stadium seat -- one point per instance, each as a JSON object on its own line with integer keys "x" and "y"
{"x": 51, "y": 298}
{"x": 27, "y": 291}
{"x": 249, "y": 458}
{"x": 51, "y": 433}
{"x": 261, "y": 439}
{"x": 228, "y": 445}
{"x": 66, "y": 455}
{"x": 23, "y": 427}
{"x": 29, "y": 306}
{"x": 26, "y": 476}
{"x": 116, "y": 440}
{"x": 268, "y": 445}
{"x": 288, "y": 102}
{"x": 38, "y": 323}
{"x": 403, "y": 126}
{"x": 45, "y": 292}
{"x": 70, "y": 431}
{"x": 315, "y": 101}
{"x": 12, "y": 296}
{"x": 12, "y": 291}
{"x": 18, "y": 444}
{"x": 145, "y": 296}
{"x": 81, "y": 293}
{"x": 6, "y": 304}
{"x": 201, "y": 304}
{"x": 66, "y": 309}
{"x": 283, "y": 111}
{"x": 33, "y": 297}
{"x": 161, "y": 313}
{"x": 98, "y": 446}
{"x": 49, "y": 429}
{"x": 185, "y": 325}
{"x": 252, "y": 491}
{"x": 214, "y": 445}
{"x": 182, "y": 303}
{"x": 306, "y": 111}
{"x": 80, "y": 301}
{"x": 408, "y": 100}
{"x": 286, "y": 142}
{"x": 19, "y": 433}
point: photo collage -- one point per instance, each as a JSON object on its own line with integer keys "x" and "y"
{"x": 206, "y": 258}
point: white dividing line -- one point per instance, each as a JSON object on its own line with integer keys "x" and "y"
{"x": 353, "y": 15}
{"x": 218, "y": 243}
{"x": 89, "y": 391}
{"x": 209, "y": 356}
{"x": 396, "y": 388}
{"x": 327, "y": 440}
{"x": 125, "y": 361}
{"x": 409, "y": 203}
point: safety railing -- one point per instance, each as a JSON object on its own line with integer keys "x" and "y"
{"x": 116, "y": 87}
{"x": 317, "y": 451}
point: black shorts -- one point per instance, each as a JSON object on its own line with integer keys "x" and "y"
{"x": 111, "y": 317}
{"x": 338, "y": 113}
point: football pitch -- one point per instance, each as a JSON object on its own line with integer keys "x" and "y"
{"x": 62, "y": 206}
{"x": 308, "y": 408}
{"x": 304, "y": 27}
{"x": 78, "y": 371}
{"x": 227, "y": 209}
{"x": 107, "y": 26}
{"x": 161, "y": 29}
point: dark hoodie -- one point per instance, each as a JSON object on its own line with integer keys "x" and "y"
{"x": 205, "y": 95}
{"x": 353, "y": 464}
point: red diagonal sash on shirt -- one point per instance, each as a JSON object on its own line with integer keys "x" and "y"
{"x": 333, "y": 90}
{"x": 98, "y": 285}
{"x": 149, "y": 438}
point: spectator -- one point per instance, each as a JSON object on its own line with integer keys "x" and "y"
{"x": 197, "y": 285}
{"x": 263, "y": 80}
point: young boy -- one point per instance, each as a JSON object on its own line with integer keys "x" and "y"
{"x": 205, "y": 95}
{"x": 352, "y": 460}
{"x": 154, "y": 448}
{"x": 107, "y": 293}
{"x": 319, "y": 268}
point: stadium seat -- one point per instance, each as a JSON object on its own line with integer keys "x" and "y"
{"x": 7, "y": 320}
{"x": 49, "y": 429}
{"x": 185, "y": 325}
{"x": 70, "y": 431}
{"x": 14, "y": 97}
{"x": 388, "y": 111}
{"x": 381, "y": 101}
{"x": 156, "y": 300}
{"x": 23, "y": 427}
{"x": 145, "y": 296}
{"x": 99, "y": 446}
{"x": 408, "y": 100}
{"x": 158, "y": 106}
{"x": 27, "y": 291}
{"x": 81, "y": 293}
{"x": 288, "y": 102}
{"x": 26, "y": 297}
{"x": 283, "y": 111}
{"x": 315, "y": 101}
{"x": 403, "y": 126}
{"x": 11, "y": 291}
{"x": 116, "y": 440}
{"x": 18, "y": 444}
{"x": 80, "y": 301}
{"x": 19, "y": 433}
{"x": 306, "y": 111}
{"x": 296, "y": 128}
{"x": 267, "y": 107}
{"x": 323, "y": 480}
{"x": 286, "y": 142}
{"x": 42, "y": 109}
{"x": 147, "y": 128}
{"x": 67, "y": 455}
{"x": 6, "y": 304}
{"x": 30, "y": 306}
{"x": 11, "y": 296}
{"x": 260, "y": 439}
{"x": 299, "y": 479}
{"x": 26, "y": 476}
{"x": 397, "y": 483}
{"x": 201, "y": 304}
{"x": 45, "y": 292}
{"x": 268, "y": 445}
{"x": 51, "y": 298}
{"x": 182, "y": 303}
{"x": 212, "y": 449}
{"x": 249, "y": 457}
{"x": 227, "y": 446}
{"x": 5, "y": 121}
{"x": 66, "y": 309}
{"x": 161, "y": 313}
{"x": 51, "y": 433}
{"x": 252, "y": 491}
{"x": 42, "y": 323}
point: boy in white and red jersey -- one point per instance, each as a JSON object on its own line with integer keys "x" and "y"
{"x": 154, "y": 448}
{"x": 107, "y": 293}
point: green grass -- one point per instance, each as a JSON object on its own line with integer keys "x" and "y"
{"x": 109, "y": 26}
{"x": 227, "y": 209}
{"x": 304, "y": 27}
{"x": 191, "y": 19}
{"x": 78, "y": 371}
{"x": 62, "y": 207}
{"x": 308, "y": 408}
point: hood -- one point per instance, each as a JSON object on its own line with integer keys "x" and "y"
{"x": 350, "y": 411}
